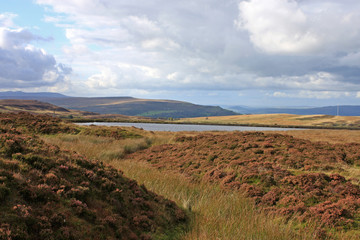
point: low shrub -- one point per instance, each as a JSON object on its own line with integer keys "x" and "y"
{"x": 272, "y": 169}
{"x": 63, "y": 195}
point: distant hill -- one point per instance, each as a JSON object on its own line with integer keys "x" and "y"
{"x": 25, "y": 95}
{"x": 344, "y": 110}
{"x": 29, "y": 105}
{"x": 140, "y": 107}
{"x": 124, "y": 105}
{"x": 35, "y": 106}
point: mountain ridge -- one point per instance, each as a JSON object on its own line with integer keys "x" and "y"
{"x": 162, "y": 108}
{"x": 29, "y": 95}
{"x": 130, "y": 106}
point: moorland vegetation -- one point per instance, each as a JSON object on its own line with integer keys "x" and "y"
{"x": 239, "y": 185}
{"x": 50, "y": 193}
{"x": 282, "y": 120}
{"x": 313, "y": 182}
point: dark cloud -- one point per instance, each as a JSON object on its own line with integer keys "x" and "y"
{"x": 25, "y": 66}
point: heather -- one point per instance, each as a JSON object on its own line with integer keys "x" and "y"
{"x": 240, "y": 185}
{"x": 308, "y": 181}
{"x": 214, "y": 212}
{"x": 49, "y": 193}
{"x": 35, "y": 124}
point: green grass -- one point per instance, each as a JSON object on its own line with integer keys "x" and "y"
{"x": 156, "y": 113}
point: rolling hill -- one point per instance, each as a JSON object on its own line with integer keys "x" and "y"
{"x": 124, "y": 105}
{"x": 140, "y": 107}
{"x": 29, "y": 95}
{"x": 38, "y": 107}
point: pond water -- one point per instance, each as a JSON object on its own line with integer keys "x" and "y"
{"x": 185, "y": 127}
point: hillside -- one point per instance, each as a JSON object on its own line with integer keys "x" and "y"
{"x": 38, "y": 107}
{"x": 342, "y": 110}
{"x": 140, "y": 107}
{"x": 124, "y": 105}
{"x": 48, "y": 193}
{"x": 29, "y": 96}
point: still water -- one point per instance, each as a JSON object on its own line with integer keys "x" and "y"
{"x": 186, "y": 127}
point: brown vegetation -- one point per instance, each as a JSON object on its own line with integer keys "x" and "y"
{"x": 280, "y": 173}
{"x": 31, "y": 123}
{"x": 312, "y": 184}
{"x": 48, "y": 193}
{"x": 214, "y": 211}
{"x": 330, "y": 136}
{"x": 38, "y": 107}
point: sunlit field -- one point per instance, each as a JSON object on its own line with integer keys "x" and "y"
{"x": 281, "y": 120}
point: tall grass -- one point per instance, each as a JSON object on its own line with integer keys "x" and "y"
{"x": 100, "y": 148}
{"x": 215, "y": 213}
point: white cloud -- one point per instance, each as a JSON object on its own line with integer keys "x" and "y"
{"x": 6, "y": 20}
{"x": 168, "y": 45}
{"x": 76, "y": 49}
{"x": 15, "y": 39}
{"x": 104, "y": 36}
{"x": 312, "y": 94}
{"x": 300, "y": 27}
{"x": 173, "y": 76}
{"x": 22, "y": 65}
{"x": 160, "y": 43}
{"x": 277, "y": 26}
{"x": 321, "y": 81}
{"x": 106, "y": 79}
{"x": 280, "y": 94}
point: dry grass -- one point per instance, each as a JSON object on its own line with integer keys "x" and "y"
{"x": 280, "y": 120}
{"x": 331, "y": 136}
{"x": 215, "y": 213}
{"x": 101, "y": 148}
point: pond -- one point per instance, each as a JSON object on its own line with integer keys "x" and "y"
{"x": 185, "y": 127}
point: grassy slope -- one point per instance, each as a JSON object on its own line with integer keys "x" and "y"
{"x": 38, "y": 107}
{"x": 140, "y": 107}
{"x": 48, "y": 193}
{"x": 281, "y": 120}
{"x": 34, "y": 106}
{"x": 280, "y": 173}
{"x": 215, "y": 211}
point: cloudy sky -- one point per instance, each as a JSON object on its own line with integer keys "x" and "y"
{"x": 218, "y": 52}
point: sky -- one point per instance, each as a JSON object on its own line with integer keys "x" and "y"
{"x": 211, "y": 52}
